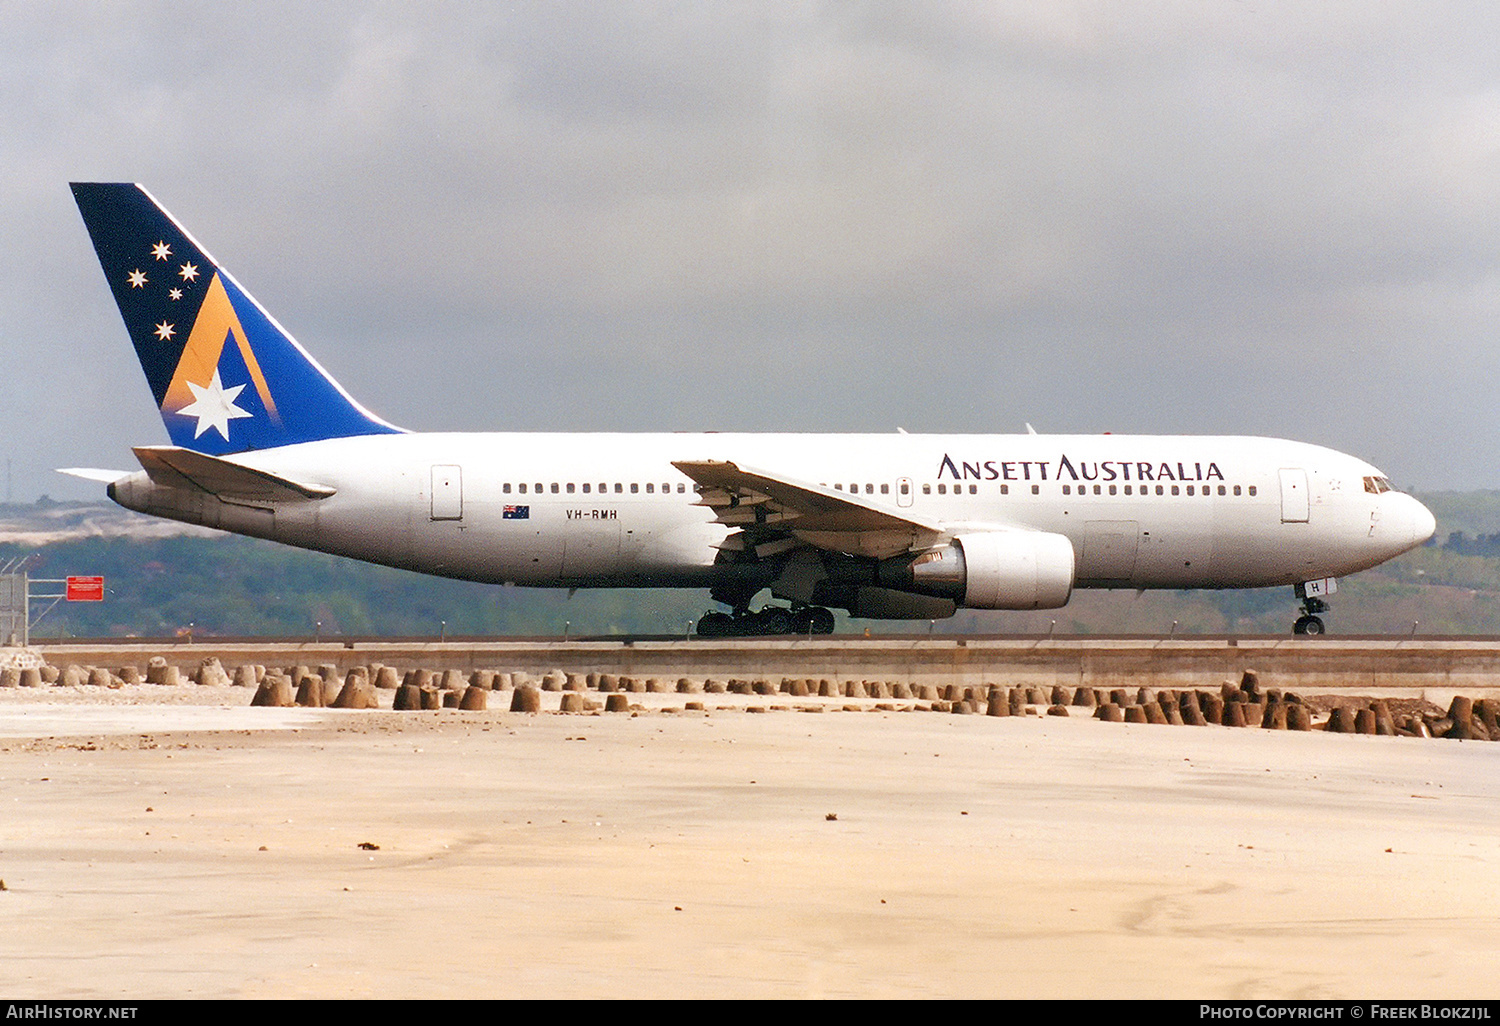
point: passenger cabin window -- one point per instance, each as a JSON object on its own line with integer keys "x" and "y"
{"x": 619, "y": 488}
{"x": 554, "y": 487}
{"x": 927, "y": 489}
{"x": 634, "y": 488}
{"x": 650, "y": 488}
{"x": 1036, "y": 489}
{"x": 570, "y": 487}
{"x": 522, "y": 488}
{"x": 585, "y": 488}
{"x": 885, "y": 489}
{"x": 505, "y": 488}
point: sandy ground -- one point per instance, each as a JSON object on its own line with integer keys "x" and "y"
{"x": 174, "y": 843}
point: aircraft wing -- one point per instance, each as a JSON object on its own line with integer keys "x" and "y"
{"x": 775, "y": 513}
{"x": 172, "y": 467}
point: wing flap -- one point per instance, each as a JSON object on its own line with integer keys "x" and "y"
{"x": 775, "y": 507}
{"x": 172, "y": 467}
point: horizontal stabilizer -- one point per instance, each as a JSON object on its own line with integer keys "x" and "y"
{"x": 95, "y": 473}
{"x": 172, "y": 467}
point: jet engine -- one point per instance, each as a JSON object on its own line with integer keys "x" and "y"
{"x": 991, "y": 570}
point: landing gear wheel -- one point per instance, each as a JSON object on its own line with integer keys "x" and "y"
{"x": 1308, "y": 625}
{"x": 774, "y": 620}
{"x": 813, "y": 620}
{"x": 715, "y": 625}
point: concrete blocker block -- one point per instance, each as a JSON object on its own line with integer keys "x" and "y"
{"x": 274, "y": 692}
{"x": 310, "y": 692}
{"x": 1340, "y": 720}
{"x": 526, "y": 699}
{"x": 474, "y": 698}
{"x": 1017, "y": 701}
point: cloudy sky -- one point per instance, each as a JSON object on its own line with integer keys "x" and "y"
{"x": 1246, "y": 217}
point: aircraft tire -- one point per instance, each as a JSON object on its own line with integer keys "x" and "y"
{"x": 813, "y": 620}
{"x": 715, "y": 625}
{"x": 1308, "y": 625}
{"x": 774, "y": 620}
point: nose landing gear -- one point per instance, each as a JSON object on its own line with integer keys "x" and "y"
{"x": 1312, "y": 604}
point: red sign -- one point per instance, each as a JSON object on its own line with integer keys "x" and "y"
{"x": 85, "y": 589}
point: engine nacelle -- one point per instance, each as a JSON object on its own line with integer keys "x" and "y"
{"x": 993, "y": 570}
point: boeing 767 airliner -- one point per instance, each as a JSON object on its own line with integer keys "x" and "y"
{"x": 265, "y": 443}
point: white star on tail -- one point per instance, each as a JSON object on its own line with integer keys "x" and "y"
{"x": 161, "y": 251}
{"x": 164, "y": 332}
{"x": 214, "y": 406}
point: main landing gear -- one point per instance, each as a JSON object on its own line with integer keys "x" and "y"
{"x": 770, "y": 620}
{"x": 1309, "y": 622}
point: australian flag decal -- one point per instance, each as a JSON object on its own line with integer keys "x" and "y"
{"x": 516, "y": 513}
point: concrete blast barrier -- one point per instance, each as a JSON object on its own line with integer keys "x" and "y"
{"x": 526, "y": 699}
{"x": 274, "y": 692}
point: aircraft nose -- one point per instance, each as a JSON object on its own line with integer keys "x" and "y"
{"x": 1423, "y": 523}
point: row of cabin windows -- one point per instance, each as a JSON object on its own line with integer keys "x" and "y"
{"x": 885, "y": 489}
{"x": 588, "y": 488}
{"x": 1162, "y": 489}
{"x": 958, "y": 489}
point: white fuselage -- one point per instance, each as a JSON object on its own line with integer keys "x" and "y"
{"x": 611, "y": 510}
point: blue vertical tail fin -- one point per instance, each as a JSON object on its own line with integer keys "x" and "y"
{"x": 226, "y": 377}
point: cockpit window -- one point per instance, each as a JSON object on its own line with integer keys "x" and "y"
{"x": 1378, "y": 485}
